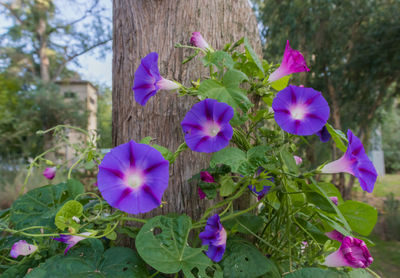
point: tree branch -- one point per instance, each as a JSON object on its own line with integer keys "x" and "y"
{"x": 87, "y": 12}
{"x": 70, "y": 58}
{"x": 13, "y": 13}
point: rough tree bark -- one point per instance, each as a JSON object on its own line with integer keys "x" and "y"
{"x": 143, "y": 26}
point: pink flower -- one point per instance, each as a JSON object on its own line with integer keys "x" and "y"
{"x": 22, "y": 248}
{"x": 353, "y": 253}
{"x": 292, "y": 62}
{"x": 50, "y": 172}
{"x": 206, "y": 177}
{"x": 71, "y": 240}
{"x": 201, "y": 193}
{"x": 198, "y": 41}
{"x": 298, "y": 159}
{"x": 334, "y": 200}
{"x": 335, "y": 235}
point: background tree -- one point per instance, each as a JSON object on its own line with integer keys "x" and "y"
{"x": 352, "y": 50}
{"x": 43, "y": 37}
{"x": 144, "y": 26}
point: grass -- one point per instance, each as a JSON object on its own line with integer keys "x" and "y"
{"x": 384, "y": 185}
{"x": 386, "y": 257}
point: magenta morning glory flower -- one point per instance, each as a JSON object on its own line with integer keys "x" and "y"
{"x": 206, "y": 177}
{"x": 335, "y": 235}
{"x": 300, "y": 111}
{"x": 133, "y": 177}
{"x": 148, "y": 81}
{"x": 22, "y": 248}
{"x": 50, "y": 172}
{"x": 292, "y": 62}
{"x": 214, "y": 235}
{"x": 356, "y": 162}
{"x": 198, "y": 41}
{"x": 353, "y": 253}
{"x": 323, "y": 134}
{"x": 71, "y": 240}
{"x": 206, "y": 126}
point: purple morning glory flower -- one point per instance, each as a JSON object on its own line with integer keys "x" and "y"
{"x": 260, "y": 194}
{"x": 50, "y": 172}
{"x": 292, "y": 62}
{"x": 300, "y": 111}
{"x": 355, "y": 162}
{"x": 71, "y": 240}
{"x": 214, "y": 235}
{"x": 22, "y": 248}
{"x": 206, "y": 126}
{"x": 198, "y": 41}
{"x": 353, "y": 253}
{"x": 323, "y": 134}
{"x": 148, "y": 81}
{"x": 133, "y": 177}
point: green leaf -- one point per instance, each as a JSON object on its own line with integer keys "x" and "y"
{"x": 39, "y": 206}
{"x": 227, "y": 185}
{"x": 360, "y": 273}
{"x": 90, "y": 260}
{"x": 64, "y": 215}
{"x": 242, "y": 259}
{"x": 233, "y": 157}
{"x": 252, "y": 54}
{"x": 320, "y": 201}
{"x": 315, "y": 187}
{"x": 316, "y": 272}
{"x": 146, "y": 140}
{"x": 239, "y": 161}
{"x": 289, "y": 162}
{"x": 281, "y": 84}
{"x": 167, "y": 154}
{"x": 361, "y": 217}
{"x": 162, "y": 243}
{"x": 244, "y": 223}
{"x": 338, "y": 137}
{"x": 256, "y": 155}
{"x": 228, "y": 91}
{"x": 331, "y": 190}
{"x": 218, "y": 58}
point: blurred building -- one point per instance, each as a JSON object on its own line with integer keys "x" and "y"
{"x": 87, "y": 93}
{"x": 376, "y": 153}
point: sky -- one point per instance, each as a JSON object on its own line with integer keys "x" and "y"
{"x": 92, "y": 68}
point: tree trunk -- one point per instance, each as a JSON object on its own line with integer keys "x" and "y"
{"x": 144, "y": 26}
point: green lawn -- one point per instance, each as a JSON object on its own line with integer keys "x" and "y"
{"x": 386, "y": 256}
{"x": 385, "y": 185}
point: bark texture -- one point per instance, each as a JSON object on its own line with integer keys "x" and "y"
{"x": 144, "y": 26}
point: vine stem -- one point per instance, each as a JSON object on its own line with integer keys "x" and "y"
{"x": 128, "y": 218}
{"x": 21, "y": 192}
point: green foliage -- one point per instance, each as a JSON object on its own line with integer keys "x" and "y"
{"x": 228, "y": 91}
{"x": 39, "y": 206}
{"x": 162, "y": 243}
{"x": 328, "y": 273}
{"x": 361, "y": 217}
{"x": 90, "y": 260}
{"x": 64, "y": 216}
{"x": 338, "y": 137}
{"x": 242, "y": 259}
{"x": 239, "y": 161}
